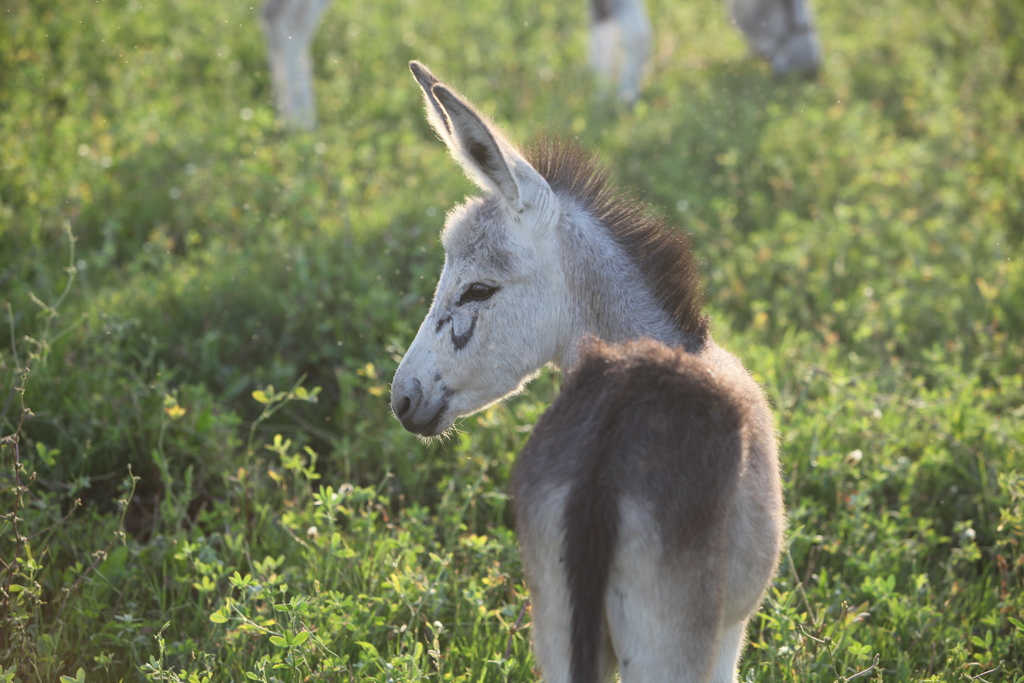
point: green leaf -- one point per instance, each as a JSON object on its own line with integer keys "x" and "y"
{"x": 251, "y": 676}
{"x": 261, "y": 396}
{"x": 279, "y": 641}
{"x": 239, "y": 581}
{"x": 218, "y": 617}
{"x": 1017, "y": 623}
{"x": 368, "y": 648}
{"x": 47, "y": 455}
{"x": 300, "y": 638}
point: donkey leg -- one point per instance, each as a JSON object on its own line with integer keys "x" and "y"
{"x": 604, "y": 39}
{"x": 625, "y": 22}
{"x": 291, "y": 69}
{"x": 541, "y": 540}
{"x": 729, "y": 649}
{"x": 551, "y": 615}
{"x": 636, "y": 41}
{"x": 664, "y": 608}
{"x": 552, "y": 627}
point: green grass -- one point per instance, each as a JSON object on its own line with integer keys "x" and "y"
{"x": 861, "y": 239}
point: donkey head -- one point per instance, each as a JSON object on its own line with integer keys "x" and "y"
{"x": 496, "y": 312}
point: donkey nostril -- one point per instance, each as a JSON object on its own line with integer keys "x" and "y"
{"x": 403, "y": 407}
{"x": 407, "y": 399}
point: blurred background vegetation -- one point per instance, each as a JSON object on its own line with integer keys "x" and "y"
{"x": 167, "y": 249}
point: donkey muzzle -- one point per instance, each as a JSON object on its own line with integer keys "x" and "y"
{"x": 418, "y": 413}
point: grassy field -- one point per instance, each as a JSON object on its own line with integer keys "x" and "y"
{"x": 200, "y": 479}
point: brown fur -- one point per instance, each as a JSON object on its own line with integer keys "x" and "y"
{"x": 663, "y": 255}
{"x": 646, "y": 422}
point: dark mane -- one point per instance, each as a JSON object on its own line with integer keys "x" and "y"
{"x": 662, "y": 254}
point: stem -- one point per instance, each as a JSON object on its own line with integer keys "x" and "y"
{"x": 515, "y": 627}
{"x": 799, "y": 584}
{"x": 17, "y": 365}
{"x": 119, "y": 535}
{"x": 871, "y": 668}
{"x": 268, "y": 410}
{"x": 17, "y": 536}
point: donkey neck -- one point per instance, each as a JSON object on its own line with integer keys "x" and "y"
{"x": 608, "y": 295}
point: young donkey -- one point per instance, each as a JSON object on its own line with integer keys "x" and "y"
{"x": 648, "y": 501}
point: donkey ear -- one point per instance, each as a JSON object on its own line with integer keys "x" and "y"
{"x": 479, "y": 147}
{"x": 435, "y": 112}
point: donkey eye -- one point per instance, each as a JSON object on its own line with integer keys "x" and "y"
{"x": 477, "y": 292}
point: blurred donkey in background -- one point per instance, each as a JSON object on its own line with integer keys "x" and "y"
{"x": 781, "y": 31}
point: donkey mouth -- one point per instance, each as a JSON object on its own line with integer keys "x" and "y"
{"x": 430, "y": 427}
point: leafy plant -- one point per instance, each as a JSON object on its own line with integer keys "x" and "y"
{"x": 861, "y": 241}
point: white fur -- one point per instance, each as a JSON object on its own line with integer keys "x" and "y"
{"x": 651, "y": 612}
{"x": 549, "y": 590}
{"x": 630, "y": 27}
{"x": 516, "y": 331}
{"x": 729, "y": 649}
{"x": 289, "y": 26}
